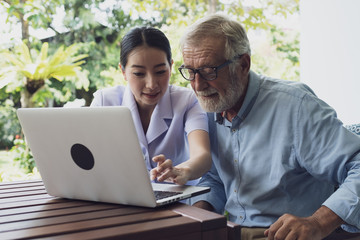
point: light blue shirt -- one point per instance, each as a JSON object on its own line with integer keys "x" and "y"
{"x": 283, "y": 153}
{"x": 176, "y": 115}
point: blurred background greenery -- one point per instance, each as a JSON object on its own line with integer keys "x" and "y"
{"x": 59, "y": 52}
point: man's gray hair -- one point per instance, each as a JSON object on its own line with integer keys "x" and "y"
{"x": 218, "y": 26}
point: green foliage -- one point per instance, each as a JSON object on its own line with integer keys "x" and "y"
{"x": 96, "y": 27}
{"x": 99, "y": 28}
{"x": 262, "y": 17}
{"x": 38, "y": 12}
{"x": 10, "y": 172}
{"x": 60, "y": 65}
{"x": 9, "y": 124}
{"x": 289, "y": 45}
{"x": 33, "y": 71}
{"x": 22, "y": 155}
{"x": 112, "y": 77}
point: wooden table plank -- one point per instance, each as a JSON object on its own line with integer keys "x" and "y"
{"x": 53, "y": 213}
{"x": 176, "y": 229}
{"x": 17, "y": 184}
{"x": 208, "y": 219}
{"x": 31, "y": 201}
{"x": 233, "y": 231}
{"x": 21, "y": 189}
{"x": 27, "y": 211}
{"x": 16, "y": 194}
{"x": 87, "y": 225}
{"x": 43, "y": 206}
{"x": 11, "y": 226}
{"x": 5, "y": 201}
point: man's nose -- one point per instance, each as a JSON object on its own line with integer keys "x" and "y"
{"x": 199, "y": 83}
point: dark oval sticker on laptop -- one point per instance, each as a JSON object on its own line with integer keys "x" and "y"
{"x": 82, "y": 156}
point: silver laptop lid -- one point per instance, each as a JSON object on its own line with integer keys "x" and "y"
{"x": 88, "y": 153}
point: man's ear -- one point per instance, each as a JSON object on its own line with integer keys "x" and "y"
{"x": 245, "y": 63}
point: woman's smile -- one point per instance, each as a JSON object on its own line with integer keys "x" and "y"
{"x": 151, "y": 95}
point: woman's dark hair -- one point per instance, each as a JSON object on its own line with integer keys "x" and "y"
{"x": 143, "y": 36}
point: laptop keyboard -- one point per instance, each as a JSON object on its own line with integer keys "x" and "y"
{"x": 164, "y": 194}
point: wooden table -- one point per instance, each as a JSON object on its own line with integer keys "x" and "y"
{"x": 28, "y": 212}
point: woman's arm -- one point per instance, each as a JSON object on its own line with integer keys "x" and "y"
{"x": 196, "y": 166}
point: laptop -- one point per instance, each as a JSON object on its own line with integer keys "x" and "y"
{"x": 93, "y": 153}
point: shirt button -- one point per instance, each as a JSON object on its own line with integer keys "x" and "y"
{"x": 235, "y": 190}
{"x": 241, "y": 217}
{"x": 235, "y": 160}
{"x": 233, "y": 130}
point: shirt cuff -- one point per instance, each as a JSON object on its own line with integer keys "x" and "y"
{"x": 346, "y": 205}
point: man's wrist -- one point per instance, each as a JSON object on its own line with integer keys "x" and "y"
{"x": 327, "y": 220}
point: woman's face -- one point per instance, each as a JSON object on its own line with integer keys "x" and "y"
{"x": 147, "y": 72}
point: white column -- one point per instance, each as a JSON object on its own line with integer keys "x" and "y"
{"x": 330, "y": 53}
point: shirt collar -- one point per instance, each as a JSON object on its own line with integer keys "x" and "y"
{"x": 162, "y": 110}
{"x": 129, "y": 99}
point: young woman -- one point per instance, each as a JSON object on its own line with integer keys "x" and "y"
{"x": 171, "y": 126}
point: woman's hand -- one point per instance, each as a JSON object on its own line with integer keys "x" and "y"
{"x": 165, "y": 171}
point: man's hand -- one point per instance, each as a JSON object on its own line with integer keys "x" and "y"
{"x": 291, "y": 227}
{"x": 316, "y": 227}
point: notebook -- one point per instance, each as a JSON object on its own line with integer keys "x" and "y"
{"x": 93, "y": 153}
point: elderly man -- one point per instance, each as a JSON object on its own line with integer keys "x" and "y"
{"x": 278, "y": 151}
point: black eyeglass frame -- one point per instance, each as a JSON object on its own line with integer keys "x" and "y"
{"x": 215, "y": 69}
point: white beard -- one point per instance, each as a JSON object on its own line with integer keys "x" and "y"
{"x": 220, "y": 103}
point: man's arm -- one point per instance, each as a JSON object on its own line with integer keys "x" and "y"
{"x": 204, "y": 205}
{"x": 321, "y": 224}
{"x": 215, "y": 199}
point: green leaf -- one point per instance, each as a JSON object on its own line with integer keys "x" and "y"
{"x": 25, "y": 53}
{"x": 43, "y": 52}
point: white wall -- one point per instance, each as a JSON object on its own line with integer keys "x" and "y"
{"x": 330, "y": 53}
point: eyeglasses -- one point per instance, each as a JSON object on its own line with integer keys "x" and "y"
{"x": 207, "y": 73}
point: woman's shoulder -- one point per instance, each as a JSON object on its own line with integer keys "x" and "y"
{"x": 109, "y": 96}
{"x": 112, "y": 90}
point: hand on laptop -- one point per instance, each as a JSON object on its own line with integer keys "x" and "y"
{"x": 165, "y": 171}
